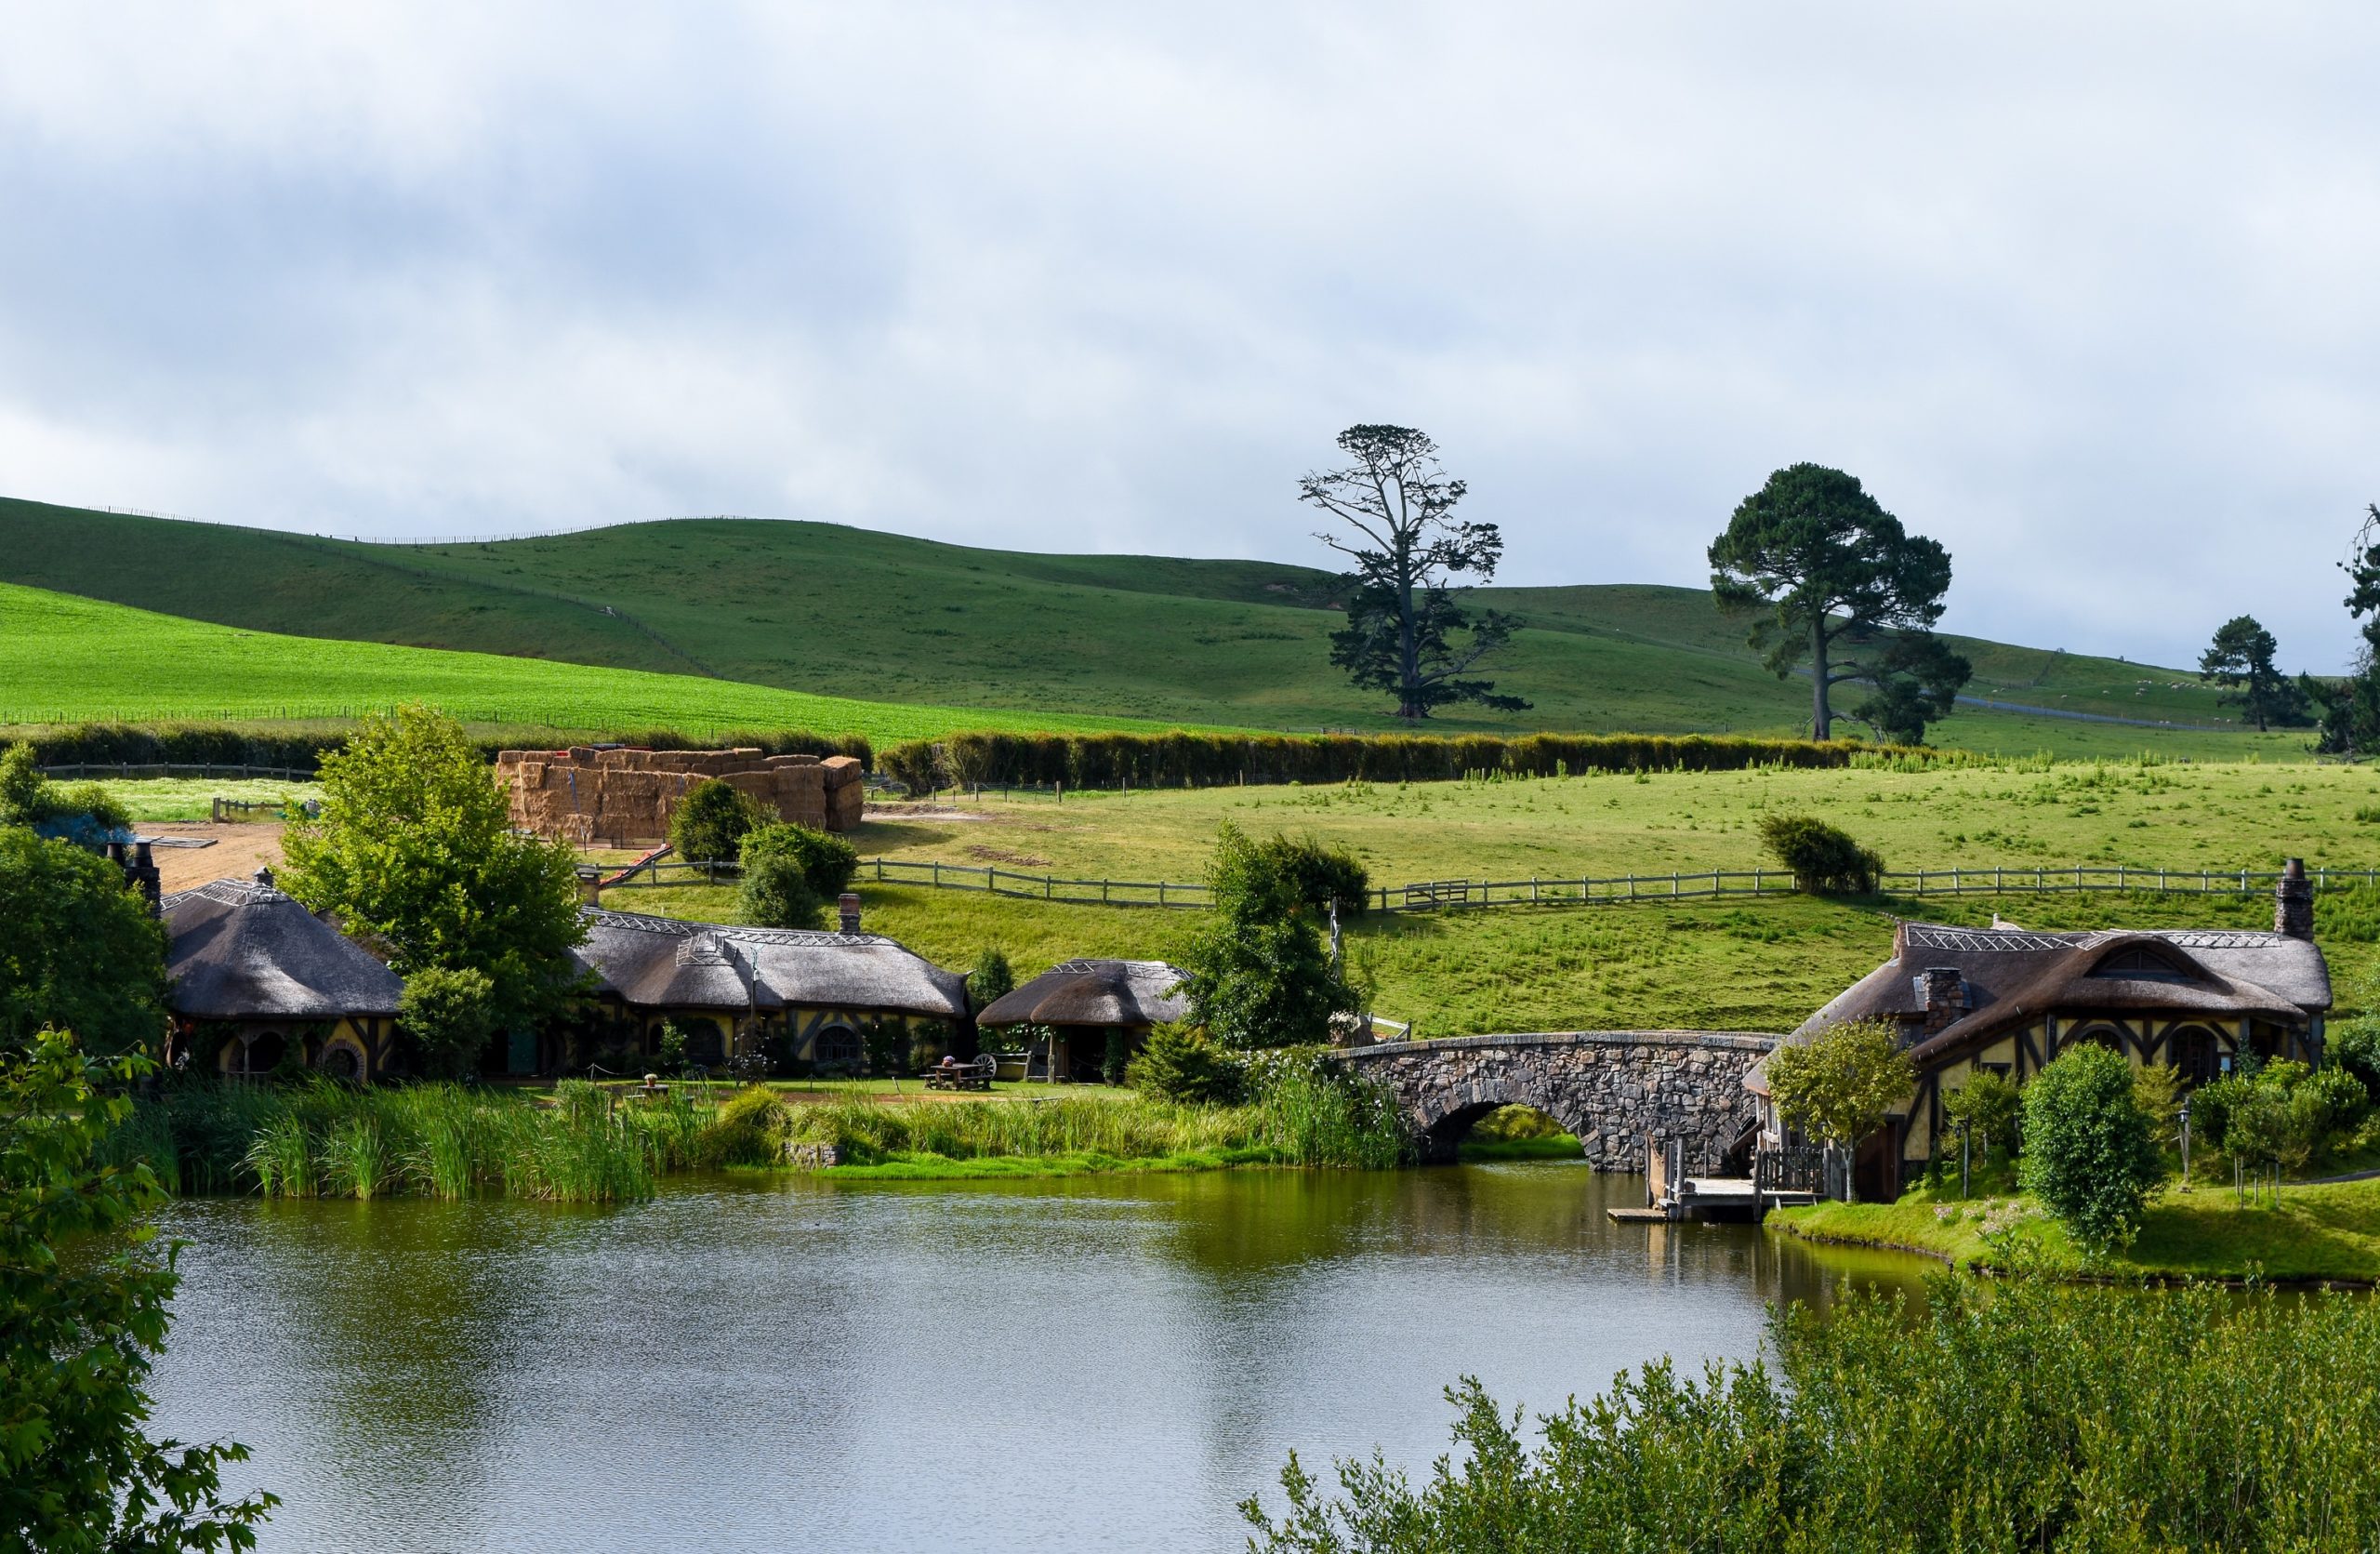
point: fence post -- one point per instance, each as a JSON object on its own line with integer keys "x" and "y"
{"x": 1160, "y": 893}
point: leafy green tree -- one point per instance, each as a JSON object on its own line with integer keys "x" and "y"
{"x": 1395, "y": 509}
{"x": 78, "y": 1332}
{"x": 1991, "y": 1106}
{"x": 1321, "y": 873}
{"x": 414, "y": 849}
{"x": 2354, "y": 1046}
{"x": 79, "y": 950}
{"x": 1915, "y": 682}
{"x": 1260, "y": 972}
{"x": 2241, "y": 658}
{"x": 29, "y": 799}
{"x": 711, "y": 822}
{"x": 1180, "y": 1064}
{"x": 1827, "y": 565}
{"x": 2350, "y": 707}
{"x": 1825, "y": 860}
{"x": 450, "y": 1015}
{"x": 2090, "y": 1152}
{"x": 993, "y": 979}
{"x": 1840, "y": 1086}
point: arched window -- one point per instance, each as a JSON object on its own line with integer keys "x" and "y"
{"x": 837, "y": 1044}
{"x": 2098, "y": 1035}
{"x": 2141, "y": 963}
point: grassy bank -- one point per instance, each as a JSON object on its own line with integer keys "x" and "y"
{"x": 580, "y": 1143}
{"x": 2311, "y": 1232}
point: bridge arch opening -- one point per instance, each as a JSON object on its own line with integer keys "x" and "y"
{"x": 1495, "y": 1121}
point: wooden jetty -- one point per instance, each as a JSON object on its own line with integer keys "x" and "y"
{"x": 1778, "y": 1176}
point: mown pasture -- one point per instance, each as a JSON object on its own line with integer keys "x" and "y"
{"x": 68, "y": 659}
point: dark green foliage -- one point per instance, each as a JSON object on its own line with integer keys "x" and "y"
{"x": 993, "y": 979}
{"x": 1260, "y": 972}
{"x": 711, "y": 822}
{"x": 1222, "y": 760}
{"x": 2354, "y": 1045}
{"x": 1393, "y": 508}
{"x": 1823, "y": 562}
{"x": 774, "y": 889}
{"x": 78, "y": 951}
{"x": 79, "y": 812}
{"x": 1824, "y": 859}
{"x": 84, "y": 1295}
{"x": 1115, "y": 1058}
{"x": 2011, "y": 1415}
{"x": 2241, "y": 660}
{"x": 2090, "y": 1156}
{"x": 201, "y": 744}
{"x": 1914, "y": 680}
{"x": 670, "y": 1049}
{"x": 1181, "y": 1064}
{"x": 1321, "y": 873}
{"x": 414, "y": 849}
{"x": 450, "y": 1015}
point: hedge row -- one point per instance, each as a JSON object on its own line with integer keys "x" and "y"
{"x": 219, "y": 745}
{"x": 1211, "y": 761}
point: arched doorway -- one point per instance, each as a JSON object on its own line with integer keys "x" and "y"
{"x": 2197, "y": 1055}
{"x": 835, "y": 1044}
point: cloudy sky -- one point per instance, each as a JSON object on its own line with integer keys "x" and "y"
{"x": 2089, "y": 293}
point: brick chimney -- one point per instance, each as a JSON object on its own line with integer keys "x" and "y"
{"x": 140, "y": 873}
{"x": 848, "y": 905}
{"x": 1944, "y": 993}
{"x": 2292, "y": 902}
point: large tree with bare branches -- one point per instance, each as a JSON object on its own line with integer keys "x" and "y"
{"x": 1394, "y": 509}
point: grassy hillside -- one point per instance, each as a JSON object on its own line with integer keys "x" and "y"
{"x": 845, "y": 612}
{"x": 64, "y": 660}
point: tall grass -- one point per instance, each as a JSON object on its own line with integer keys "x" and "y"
{"x": 1317, "y": 1112}
{"x": 435, "y": 1140}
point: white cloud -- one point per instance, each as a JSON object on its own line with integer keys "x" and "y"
{"x": 2076, "y": 290}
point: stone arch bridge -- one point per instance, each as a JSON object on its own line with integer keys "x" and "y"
{"x": 1614, "y": 1089}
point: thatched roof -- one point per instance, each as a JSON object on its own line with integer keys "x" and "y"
{"x": 2010, "y": 977}
{"x": 1096, "y": 993}
{"x": 663, "y": 962}
{"x": 243, "y": 951}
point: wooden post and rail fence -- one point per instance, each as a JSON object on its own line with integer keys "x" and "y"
{"x": 1541, "y": 890}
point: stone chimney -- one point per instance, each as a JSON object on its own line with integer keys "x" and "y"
{"x": 1944, "y": 993}
{"x": 848, "y": 905}
{"x": 2292, "y": 902}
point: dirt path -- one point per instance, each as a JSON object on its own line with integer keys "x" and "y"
{"x": 239, "y": 848}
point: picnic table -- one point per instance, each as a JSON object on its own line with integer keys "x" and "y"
{"x": 949, "y": 1075}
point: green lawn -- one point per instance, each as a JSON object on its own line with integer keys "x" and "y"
{"x": 191, "y": 798}
{"x": 66, "y": 659}
{"x": 2174, "y": 815}
{"x": 822, "y": 610}
{"x": 2313, "y": 1232}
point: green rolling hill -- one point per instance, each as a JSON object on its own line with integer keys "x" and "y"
{"x": 877, "y": 619}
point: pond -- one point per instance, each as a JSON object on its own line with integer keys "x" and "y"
{"x": 793, "y": 1363}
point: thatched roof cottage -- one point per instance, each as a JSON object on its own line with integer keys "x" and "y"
{"x": 1093, "y": 1010}
{"x": 257, "y": 980}
{"x": 811, "y": 993}
{"x": 2005, "y": 998}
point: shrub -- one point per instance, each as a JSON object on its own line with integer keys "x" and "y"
{"x": 1319, "y": 872}
{"x": 2090, "y": 1155}
{"x": 775, "y": 890}
{"x": 669, "y": 1052}
{"x": 711, "y": 820}
{"x": 1260, "y": 973}
{"x": 2194, "y": 1420}
{"x": 2341, "y": 1095}
{"x": 2157, "y": 1090}
{"x": 2354, "y": 1045}
{"x": 1180, "y": 1064}
{"x": 1319, "y": 1112}
{"x": 1990, "y": 1106}
{"x": 750, "y": 1128}
{"x": 80, "y": 952}
{"x": 1825, "y": 860}
{"x": 992, "y": 980}
{"x": 450, "y": 1015}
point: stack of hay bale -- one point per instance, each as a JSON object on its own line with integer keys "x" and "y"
{"x": 624, "y": 798}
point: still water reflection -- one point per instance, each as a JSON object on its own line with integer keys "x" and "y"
{"x": 791, "y": 1364}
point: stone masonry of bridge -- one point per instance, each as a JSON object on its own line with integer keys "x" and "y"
{"x": 1614, "y": 1089}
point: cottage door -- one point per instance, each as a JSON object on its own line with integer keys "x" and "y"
{"x": 520, "y": 1053}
